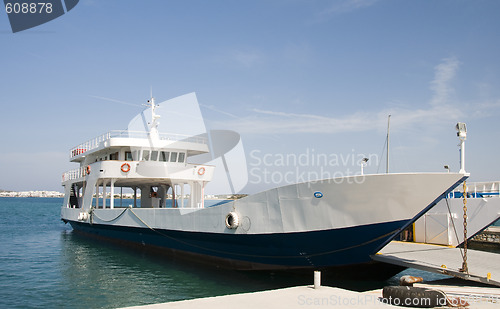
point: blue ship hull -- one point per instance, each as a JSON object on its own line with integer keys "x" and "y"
{"x": 299, "y": 250}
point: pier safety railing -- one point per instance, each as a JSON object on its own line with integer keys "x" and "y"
{"x": 96, "y": 142}
{"x": 478, "y": 190}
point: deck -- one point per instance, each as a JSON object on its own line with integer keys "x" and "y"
{"x": 483, "y": 266}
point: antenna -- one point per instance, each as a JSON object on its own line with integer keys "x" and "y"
{"x": 153, "y": 125}
{"x": 388, "y": 134}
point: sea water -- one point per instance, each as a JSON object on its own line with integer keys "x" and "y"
{"x": 43, "y": 264}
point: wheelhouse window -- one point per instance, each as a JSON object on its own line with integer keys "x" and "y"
{"x": 128, "y": 156}
{"x": 164, "y": 156}
{"x": 113, "y": 156}
{"x": 145, "y": 155}
{"x": 182, "y": 156}
{"x": 154, "y": 156}
{"x": 173, "y": 157}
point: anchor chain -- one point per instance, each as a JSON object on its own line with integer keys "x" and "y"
{"x": 464, "y": 268}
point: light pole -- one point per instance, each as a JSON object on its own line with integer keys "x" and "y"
{"x": 462, "y": 135}
{"x": 363, "y": 164}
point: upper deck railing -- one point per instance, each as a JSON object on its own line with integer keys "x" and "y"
{"x": 95, "y": 142}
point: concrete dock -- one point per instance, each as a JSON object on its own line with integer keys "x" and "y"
{"x": 483, "y": 266}
{"x": 459, "y": 289}
{"x": 289, "y": 298}
{"x": 299, "y": 297}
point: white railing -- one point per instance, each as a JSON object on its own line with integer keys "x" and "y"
{"x": 89, "y": 145}
{"x": 96, "y": 142}
{"x": 478, "y": 189}
{"x": 74, "y": 174}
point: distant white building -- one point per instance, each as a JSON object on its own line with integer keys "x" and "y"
{"x": 31, "y": 194}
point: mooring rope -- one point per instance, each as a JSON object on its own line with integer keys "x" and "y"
{"x": 92, "y": 212}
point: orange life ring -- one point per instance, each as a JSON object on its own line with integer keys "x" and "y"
{"x": 125, "y": 167}
{"x": 88, "y": 169}
{"x": 201, "y": 171}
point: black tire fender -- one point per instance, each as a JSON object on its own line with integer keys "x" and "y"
{"x": 407, "y": 296}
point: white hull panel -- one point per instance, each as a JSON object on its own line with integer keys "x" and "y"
{"x": 285, "y": 227}
{"x": 293, "y": 208}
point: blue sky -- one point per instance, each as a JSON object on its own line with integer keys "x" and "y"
{"x": 291, "y": 77}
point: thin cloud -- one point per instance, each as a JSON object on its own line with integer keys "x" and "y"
{"x": 262, "y": 121}
{"x": 213, "y": 108}
{"x": 441, "y": 84}
{"x": 345, "y": 6}
{"x": 247, "y": 58}
{"x": 290, "y": 115}
{"x": 266, "y": 121}
{"x": 114, "y": 100}
{"x": 298, "y": 53}
{"x": 479, "y": 108}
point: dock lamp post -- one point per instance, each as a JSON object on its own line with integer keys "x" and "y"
{"x": 462, "y": 135}
{"x": 363, "y": 164}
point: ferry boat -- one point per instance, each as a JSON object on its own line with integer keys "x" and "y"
{"x": 320, "y": 224}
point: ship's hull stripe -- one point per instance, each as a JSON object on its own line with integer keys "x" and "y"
{"x": 326, "y": 248}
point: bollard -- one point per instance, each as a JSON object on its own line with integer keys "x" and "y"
{"x": 317, "y": 279}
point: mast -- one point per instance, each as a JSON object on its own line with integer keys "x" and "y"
{"x": 153, "y": 125}
{"x": 388, "y": 134}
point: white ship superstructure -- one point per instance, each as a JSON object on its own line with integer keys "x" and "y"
{"x": 154, "y": 163}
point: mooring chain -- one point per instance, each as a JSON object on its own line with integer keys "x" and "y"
{"x": 464, "y": 268}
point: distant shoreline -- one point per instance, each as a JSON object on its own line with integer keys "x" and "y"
{"x": 31, "y": 194}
